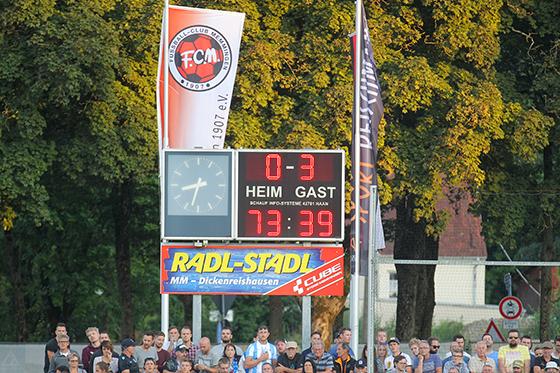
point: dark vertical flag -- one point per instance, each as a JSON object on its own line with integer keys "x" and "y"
{"x": 371, "y": 112}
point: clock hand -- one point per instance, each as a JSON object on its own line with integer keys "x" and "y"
{"x": 199, "y": 183}
{"x": 196, "y": 188}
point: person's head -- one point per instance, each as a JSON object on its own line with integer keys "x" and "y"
{"x": 181, "y": 352}
{"x": 547, "y": 348}
{"x": 400, "y": 363}
{"x": 414, "y": 345}
{"x": 147, "y": 340}
{"x": 361, "y": 366}
{"x": 63, "y": 342}
{"x": 104, "y": 336}
{"x": 527, "y": 341}
{"x": 173, "y": 333}
{"x": 280, "y": 345}
{"x": 551, "y": 367}
{"x": 60, "y": 329}
{"x": 291, "y": 349}
{"x": 267, "y": 368}
{"x": 457, "y": 356}
{"x": 424, "y": 349}
{"x": 150, "y": 365}
{"x": 74, "y": 360}
{"x": 204, "y": 345}
{"x": 262, "y": 333}
{"x": 480, "y": 349}
{"x": 102, "y": 367}
{"x": 513, "y": 338}
{"x": 223, "y": 365}
{"x": 227, "y": 334}
{"x": 517, "y": 366}
{"x": 538, "y": 351}
{"x": 453, "y": 370}
{"x": 345, "y": 335}
{"x": 454, "y": 346}
{"x": 342, "y": 350}
{"x": 63, "y": 369}
{"x": 557, "y": 343}
{"x": 460, "y": 340}
{"x": 318, "y": 348}
{"x": 127, "y": 346}
{"x": 487, "y": 368}
{"x": 107, "y": 348}
{"x": 159, "y": 339}
{"x": 309, "y": 367}
{"x": 381, "y": 336}
{"x": 92, "y": 333}
{"x": 186, "y": 366}
{"x": 186, "y": 333}
{"x": 434, "y": 344}
{"x": 315, "y": 336}
{"x": 381, "y": 351}
{"x": 229, "y": 350}
{"x": 395, "y": 346}
{"x": 489, "y": 340}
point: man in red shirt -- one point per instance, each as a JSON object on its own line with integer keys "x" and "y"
{"x": 94, "y": 345}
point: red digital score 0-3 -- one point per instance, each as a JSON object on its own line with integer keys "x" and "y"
{"x": 290, "y": 195}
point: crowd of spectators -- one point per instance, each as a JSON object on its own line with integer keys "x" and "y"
{"x": 178, "y": 353}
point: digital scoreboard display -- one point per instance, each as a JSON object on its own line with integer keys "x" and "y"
{"x": 285, "y": 195}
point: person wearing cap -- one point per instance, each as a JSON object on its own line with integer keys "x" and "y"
{"x": 343, "y": 363}
{"x": 174, "y": 363}
{"x": 60, "y": 358}
{"x": 395, "y": 347}
{"x": 514, "y": 351}
{"x": 127, "y": 361}
{"x": 361, "y": 366}
{"x": 551, "y": 367}
{"x": 480, "y": 359}
{"x": 344, "y": 336}
{"x": 290, "y": 361}
{"x": 540, "y": 362}
{"x": 517, "y": 366}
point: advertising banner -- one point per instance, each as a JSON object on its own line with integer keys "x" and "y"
{"x": 203, "y": 50}
{"x": 252, "y": 270}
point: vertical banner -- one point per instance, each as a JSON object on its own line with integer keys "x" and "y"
{"x": 203, "y": 51}
{"x": 371, "y": 112}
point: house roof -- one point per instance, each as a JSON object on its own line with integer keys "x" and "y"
{"x": 462, "y": 236}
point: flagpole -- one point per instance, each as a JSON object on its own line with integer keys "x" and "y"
{"x": 165, "y": 297}
{"x": 355, "y": 280}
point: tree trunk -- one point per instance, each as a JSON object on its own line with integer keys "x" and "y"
{"x": 275, "y": 317}
{"x": 548, "y": 250}
{"x": 14, "y": 265}
{"x": 325, "y": 311}
{"x": 186, "y": 300}
{"x": 122, "y": 211}
{"x": 416, "y": 294}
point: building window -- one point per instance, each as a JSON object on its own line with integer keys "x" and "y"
{"x": 393, "y": 285}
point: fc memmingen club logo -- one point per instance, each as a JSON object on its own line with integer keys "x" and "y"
{"x": 199, "y": 58}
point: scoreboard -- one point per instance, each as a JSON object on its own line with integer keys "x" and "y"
{"x": 287, "y": 195}
{"x": 254, "y": 195}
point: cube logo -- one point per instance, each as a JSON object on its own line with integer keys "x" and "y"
{"x": 199, "y": 58}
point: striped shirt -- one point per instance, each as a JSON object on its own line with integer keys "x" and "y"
{"x": 322, "y": 363}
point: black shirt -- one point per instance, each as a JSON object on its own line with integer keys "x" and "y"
{"x": 286, "y": 362}
{"x": 541, "y": 363}
{"x": 129, "y": 363}
{"x": 52, "y": 346}
{"x": 344, "y": 366}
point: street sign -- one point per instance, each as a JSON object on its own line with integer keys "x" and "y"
{"x": 510, "y": 324}
{"x": 493, "y": 330}
{"x": 510, "y": 308}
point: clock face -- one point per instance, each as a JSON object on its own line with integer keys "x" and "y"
{"x": 198, "y": 184}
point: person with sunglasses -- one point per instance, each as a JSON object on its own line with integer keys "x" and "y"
{"x": 434, "y": 345}
{"x": 512, "y": 352}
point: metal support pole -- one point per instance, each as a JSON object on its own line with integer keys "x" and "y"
{"x": 355, "y": 280}
{"x": 165, "y": 313}
{"x": 196, "y": 318}
{"x": 305, "y": 322}
{"x": 372, "y": 254}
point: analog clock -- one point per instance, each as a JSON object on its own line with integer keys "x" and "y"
{"x": 198, "y": 185}
{"x": 198, "y": 194}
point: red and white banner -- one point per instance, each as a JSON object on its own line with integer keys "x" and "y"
{"x": 202, "y": 55}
